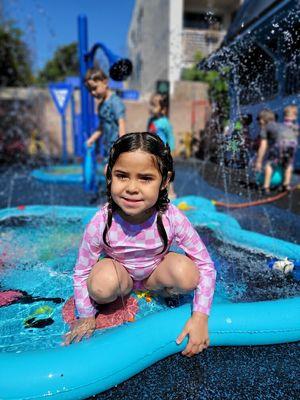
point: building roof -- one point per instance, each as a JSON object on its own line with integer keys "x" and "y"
{"x": 248, "y": 13}
{"x": 251, "y": 20}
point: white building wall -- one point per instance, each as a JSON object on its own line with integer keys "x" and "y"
{"x": 148, "y": 42}
{"x": 159, "y": 45}
{"x": 175, "y": 43}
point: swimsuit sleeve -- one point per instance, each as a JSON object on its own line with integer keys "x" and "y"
{"x": 188, "y": 239}
{"x": 89, "y": 251}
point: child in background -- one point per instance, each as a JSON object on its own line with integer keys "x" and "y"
{"x": 134, "y": 231}
{"x": 111, "y": 110}
{"x": 289, "y": 143}
{"x": 265, "y": 118}
{"x": 279, "y": 141}
{"x": 159, "y": 124}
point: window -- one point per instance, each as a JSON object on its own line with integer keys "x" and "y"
{"x": 203, "y": 21}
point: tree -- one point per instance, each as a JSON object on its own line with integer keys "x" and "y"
{"x": 217, "y": 81}
{"x": 15, "y": 67}
{"x": 64, "y": 63}
{"x": 211, "y": 140}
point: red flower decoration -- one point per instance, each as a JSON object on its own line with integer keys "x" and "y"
{"x": 9, "y": 296}
{"x": 110, "y": 315}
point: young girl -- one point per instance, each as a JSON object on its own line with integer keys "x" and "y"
{"x": 111, "y": 110}
{"x": 159, "y": 124}
{"x": 134, "y": 231}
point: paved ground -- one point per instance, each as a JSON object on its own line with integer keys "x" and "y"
{"x": 238, "y": 181}
{"x": 221, "y": 373}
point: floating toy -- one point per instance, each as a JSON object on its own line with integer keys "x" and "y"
{"x": 110, "y": 315}
{"x": 40, "y": 318}
{"x": 144, "y": 295}
{"x": 286, "y": 266}
{"x": 8, "y": 297}
{"x": 184, "y": 206}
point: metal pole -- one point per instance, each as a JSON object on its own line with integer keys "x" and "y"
{"x": 64, "y": 139}
{"x": 86, "y": 107}
{"x": 82, "y": 50}
{"x": 74, "y": 133}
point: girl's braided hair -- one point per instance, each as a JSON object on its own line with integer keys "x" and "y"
{"x": 152, "y": 144}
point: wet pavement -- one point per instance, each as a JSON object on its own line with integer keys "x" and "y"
{"x": 220, "y": 373}
{"x": 279, "y": 218}
{"x": 240, "y": 182}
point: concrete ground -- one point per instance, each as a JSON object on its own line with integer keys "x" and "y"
{"x": 238, "y": 182}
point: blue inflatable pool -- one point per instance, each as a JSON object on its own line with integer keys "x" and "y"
{"x": 33, "y": 367}
{"x": 65, "y": 174}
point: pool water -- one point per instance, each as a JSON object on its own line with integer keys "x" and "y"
{"x": 37, "y": 257}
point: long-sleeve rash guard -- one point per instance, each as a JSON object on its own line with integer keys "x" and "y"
{"x": 137, "y": 247}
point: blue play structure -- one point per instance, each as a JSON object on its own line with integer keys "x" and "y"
{"x": 120, "y": 69}
{"x": 43, "y": 368}
{"x": 61, "y": 93}
{"x": 85, "y": 123}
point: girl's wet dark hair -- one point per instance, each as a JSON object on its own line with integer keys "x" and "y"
{"x": 153, "y": 145}
{"x": 162, "y": 101}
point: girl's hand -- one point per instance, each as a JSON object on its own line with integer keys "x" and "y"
{"x": 197, "y": 329}
{"x": 84, "y": 327}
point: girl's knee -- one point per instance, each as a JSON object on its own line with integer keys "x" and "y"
{"x": 105, "y": 283}
{"x": 185, "y": 272}
{"x": 102, "y": 287}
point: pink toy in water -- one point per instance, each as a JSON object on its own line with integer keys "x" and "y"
{"x": 112, "y": 314}
{"x": 11, "y": 296}
{"x": 8, "y": 297}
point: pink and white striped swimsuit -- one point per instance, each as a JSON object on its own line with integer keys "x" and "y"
{"x": 137, "y": 247}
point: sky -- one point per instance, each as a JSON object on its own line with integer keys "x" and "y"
{"x": 48, "y": 24}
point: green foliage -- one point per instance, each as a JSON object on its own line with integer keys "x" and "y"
{"x": 63, "y": 64}
{"x": 216, "y": 80}
{"x": 15, "y": 67}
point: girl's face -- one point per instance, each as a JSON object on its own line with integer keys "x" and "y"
{"x": 154, "y": 107}
{"x": 98, "y": 89}
{"x": 136, "y": 182}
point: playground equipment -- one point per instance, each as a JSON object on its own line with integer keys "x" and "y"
{"x": 61, "y": 93}
{"x": 120, "y": 69}
{"x": 86, "y": 122}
